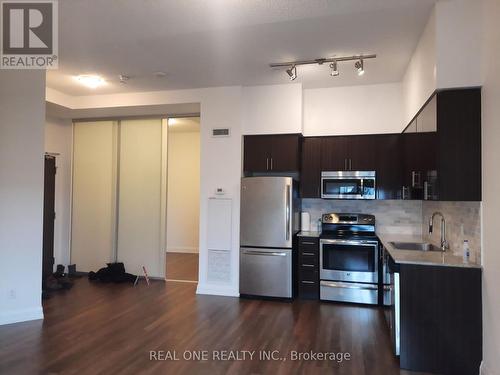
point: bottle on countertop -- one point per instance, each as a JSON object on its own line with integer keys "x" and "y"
{"x": 466, "y": 252}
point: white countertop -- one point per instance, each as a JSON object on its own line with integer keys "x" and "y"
{"x": 431, "y": 258}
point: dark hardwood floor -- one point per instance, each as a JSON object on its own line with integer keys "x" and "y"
{"x": 110, "y": 329}
{"x": 182, "y": 266}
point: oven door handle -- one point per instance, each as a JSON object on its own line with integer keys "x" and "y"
{"x": 332, "y": 284}
{"x": 348, "y": 242}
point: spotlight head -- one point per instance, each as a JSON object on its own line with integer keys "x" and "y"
{"x": 334, "y": 71}
{"x": 360, "y": 67}
{"x": 292, "y": 72}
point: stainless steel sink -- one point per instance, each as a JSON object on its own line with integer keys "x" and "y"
{"x": 417, "y": 246}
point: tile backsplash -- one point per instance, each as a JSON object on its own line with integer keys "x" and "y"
{"x": 463, "y": 219}
{"x": 392, "y": 216}
{"x": 463, "y": 222}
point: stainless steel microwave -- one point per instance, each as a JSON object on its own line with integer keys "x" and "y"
{"x": 348, "y": 185}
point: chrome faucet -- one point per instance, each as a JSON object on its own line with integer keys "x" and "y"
{"x": 444, "y": 244}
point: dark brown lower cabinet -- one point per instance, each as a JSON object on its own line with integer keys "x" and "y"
{"x": 441, "y": 319}
{"x": 308, "y": 268}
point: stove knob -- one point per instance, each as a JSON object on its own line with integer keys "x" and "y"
{"x": 330, "y": 217}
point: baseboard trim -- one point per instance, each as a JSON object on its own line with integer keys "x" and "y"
{"x": 188, "y": 250}
{"x": 217, "y": 290}
{"x": 22, "y": 315}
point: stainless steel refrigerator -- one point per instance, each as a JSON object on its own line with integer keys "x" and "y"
{"x": 270, "y": 211}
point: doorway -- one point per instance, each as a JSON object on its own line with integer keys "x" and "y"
{"x": 49, "y": 216}
{"x": 183, "y": 199}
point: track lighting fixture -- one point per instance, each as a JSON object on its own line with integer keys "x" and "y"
{"x": 292, "y": 72}
{"x": 334, "y": 71}
{"x": 359, "y": 67}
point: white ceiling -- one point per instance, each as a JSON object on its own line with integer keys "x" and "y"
{"x": 204, "y": 43}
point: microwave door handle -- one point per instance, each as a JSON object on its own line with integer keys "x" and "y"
{"x": 362, "y": 187}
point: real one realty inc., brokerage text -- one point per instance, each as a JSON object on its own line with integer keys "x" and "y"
{"x": 247, "y": 355}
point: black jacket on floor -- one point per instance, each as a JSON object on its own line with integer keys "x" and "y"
{"x": 112, "y": 273}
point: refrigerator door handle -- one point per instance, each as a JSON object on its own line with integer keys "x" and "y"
{"x": 287, "y": 212}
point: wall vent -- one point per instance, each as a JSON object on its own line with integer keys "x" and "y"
{"x": 221, "y": 132}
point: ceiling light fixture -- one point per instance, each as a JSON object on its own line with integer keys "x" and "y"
{"x": 91, "y": 81}
{"x": 123, "y": 78}
{"x": 292, "y": 72}
{"x": 292, "y": 65}
{"x": 359, "y": 67}
{"x": 334, "y": 70}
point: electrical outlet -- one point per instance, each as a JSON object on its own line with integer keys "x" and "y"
{"x": 12, "y": 294}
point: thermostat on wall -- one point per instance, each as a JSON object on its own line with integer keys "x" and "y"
{"x": 220, "y": 191}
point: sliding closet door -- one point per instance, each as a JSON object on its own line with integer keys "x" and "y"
{"x": 140, "y": 196}
{"x": 94, "y": 199}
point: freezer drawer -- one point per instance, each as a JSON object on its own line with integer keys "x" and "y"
{"x": 266, "y": 272}
{"x": 349, "y": 292}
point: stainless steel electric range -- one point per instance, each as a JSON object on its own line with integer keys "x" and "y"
{"x": 349, "y": 257}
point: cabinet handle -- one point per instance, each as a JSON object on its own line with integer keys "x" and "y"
{"x": 307, "y": 282}
{"x": 304, "y": 253}
{"x": 404, "y": 191}
{"x": 307, "y": 265}
{"x": 267, "y": 164}
{"x": 350, "y": 164}
{"x": 307, "y": 243}
{"x": 271, "y": 163}
{"x": 345, "y": 164}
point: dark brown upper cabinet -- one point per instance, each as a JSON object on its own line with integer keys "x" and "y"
{"x": 348, "y": 153}
{"x": 418, "y": 165}
{"x": 271, "y": 153}
{"x": 361, "y": 153}
{"x": 334, "y": 153}
{"x": 459, "y": 145}
{"x": 442, "y": 148}
{"x": 388, "y": 165}
{"x": 310, "y": 176}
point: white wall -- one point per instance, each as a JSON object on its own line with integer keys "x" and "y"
{"x": 458, "y": 43}
{"x": 272, "y": 109}
{"x": 58, "y": 139}
{"x": 448, "y": 53}
{"x": 22, "y": 119}
{"x": 183, "y": 202}
{"x": 353, "y": 110}
{"x": 491, "y": 187}
{"x": 419, "y": 81}
{"x": 220, "y": 161}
